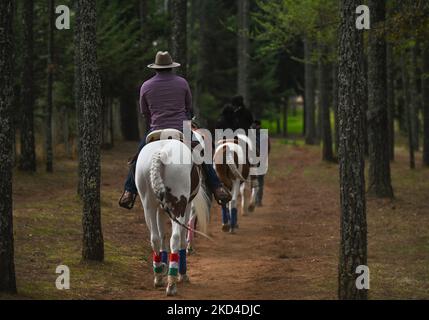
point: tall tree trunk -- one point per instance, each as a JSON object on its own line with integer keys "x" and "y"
{"x": 335, "y": 104}
{"x": 326, "y": 132}
{"x": 93, "y": 246}
{"x": 379, "y": 160}
{"x": 7, "y": 265}
{"x": 425, "y": 100}
{"x": 50, "y": 68}
{"x": 310, "y": 108}
{"x": 78, "y": 95}
{"x": 408, "y": 108}
{"x": 179, "y": 34}
{"x": 414, "y": 91}
{"x": 285, "y": 117}
{"x": 353, "y": 249}
{"x": 129, "y": 114}
{"x": 28, "y": 151}
{"x": 390, "y": 100}
{"x": 243, "y": 50}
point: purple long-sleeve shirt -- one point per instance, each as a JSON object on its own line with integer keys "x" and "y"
{"x": 166, "y": 101}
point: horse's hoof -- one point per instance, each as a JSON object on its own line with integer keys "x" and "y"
{"x": 171, "y": 290}
{"x": 252, "y": 207}
{"x": 190, "y": 250}
{"x": 225, "y": 227}
{"x": 157, "y": 282}
{"x": 183, "y": 278}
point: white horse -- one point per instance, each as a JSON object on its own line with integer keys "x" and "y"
{"x": 234, "y": 171}
{"x": 168, "y": 183}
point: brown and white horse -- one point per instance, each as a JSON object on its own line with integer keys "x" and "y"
{"x": 169, "y": 184}
{"x": 232, "y": 165}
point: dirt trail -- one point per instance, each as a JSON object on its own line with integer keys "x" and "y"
{"x": 278, "y": 252}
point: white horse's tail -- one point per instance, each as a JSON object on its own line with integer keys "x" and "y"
{"x": 231, "y": 165}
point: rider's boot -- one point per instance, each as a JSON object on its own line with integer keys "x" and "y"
{"x": 222, "y": 195}
{"x": 127, "y": 200}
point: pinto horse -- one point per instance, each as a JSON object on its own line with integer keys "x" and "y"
{"x": 233, "y": 167}
{"x": 169, "y": 184}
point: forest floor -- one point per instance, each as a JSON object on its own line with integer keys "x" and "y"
{"x": 287, "y": 249}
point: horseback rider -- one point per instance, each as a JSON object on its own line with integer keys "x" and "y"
{"x": 166, "y": 102}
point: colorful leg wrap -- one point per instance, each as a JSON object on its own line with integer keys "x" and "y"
{"x": 182, "y": 261}
{"x": 225, "y": 215}
{"x": 164, "y": 257}
{"x": 174, "y": 264}
{"x": 233, "y": 217}
{"x": 157, "y": 263}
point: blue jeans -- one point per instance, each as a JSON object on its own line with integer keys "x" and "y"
{"x": 212, "y": 178}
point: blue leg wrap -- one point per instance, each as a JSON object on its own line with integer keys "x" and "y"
{"x": 225, "y": 215}
{"x": 164, "y": 257}
{"x": 233, "y": 217}
{"x": 182, "y": 261}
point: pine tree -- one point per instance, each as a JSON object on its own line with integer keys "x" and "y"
{"x": 7, "y": 266}
{"x": 93, "y": 244}
{"x": 353, "y": 248}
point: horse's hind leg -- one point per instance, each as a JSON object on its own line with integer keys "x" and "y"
{"x": 233, "y": 205}
{"x": 183, "y": 277}
{"x": 225, "y": 218}
{"x": 244, "y": 199}
{"x": 162, "y": 222}
{"x": 173, "y": 269}
{"x": 155, "y": 240}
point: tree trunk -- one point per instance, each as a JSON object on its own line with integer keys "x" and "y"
{"x": 243, "y": 50}
{"x": 179, "y": 35}
{"x": 353, "y": 249}
{"x": 379, "y": 160}
{"x": 78, "y": 96}
{"x": 310, "y": 112}
{"x": 50, "y": 68}
{"x": 93, "y": 247}
{"x": 390, "y": 101}
{"x": 129, "y": 116}
{"x": 335, "y": 104}
{"x": 326, "y": 132}
{"x": 7, "y": 265}
{"x": 28, "y": 151}
{"x": 425, "y": 100}
{"x": 285, "y": 116}
{"x": 414, "y": 91}
{"x": 408, "y": 108}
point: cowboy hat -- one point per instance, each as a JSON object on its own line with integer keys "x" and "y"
{"x": 163, "y": 60}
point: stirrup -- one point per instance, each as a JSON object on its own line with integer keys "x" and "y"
{"x": 129, "y": 206}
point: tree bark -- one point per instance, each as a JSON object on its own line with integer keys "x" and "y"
{"x": 310, "y": 112}
{"x": 335, "y": 104}
{"x": 7, "y": 265}
{"x": 425, "y": 100}
{"x": 78, "y": 96}
{"x": 408, "y": 108}
{"x": 390, "y": 100}
{"x": 379, "y": 160}
{"x": 243, "y": 50}
{"x": 93, "y": 245}
{"x": 326, "y": 132}
{"x": 414, "y": 92}
{"x": 179, "y": 49}
{"x": 50, "y": 69}
{"x": 28, "y": 151}
{"x": 353, "y": 249}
